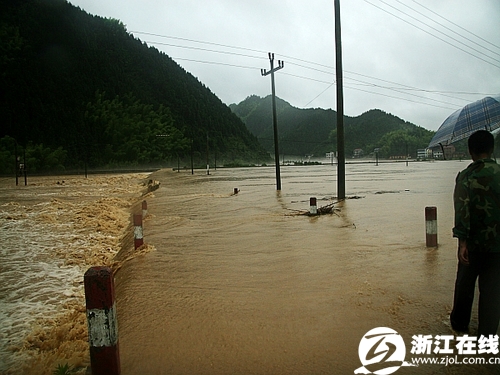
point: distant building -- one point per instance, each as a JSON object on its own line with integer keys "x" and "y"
{"x": 449, "y": 152}
{"x": 358, "y": 153}
{"x": 331, "y": 156}
{"x": 424, "y": 153}
{"x": 437, "y": 154}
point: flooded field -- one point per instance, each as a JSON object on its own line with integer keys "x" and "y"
{"x": 239, "y": 283}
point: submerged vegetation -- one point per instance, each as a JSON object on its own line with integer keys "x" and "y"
{"x": 64, "y": 370}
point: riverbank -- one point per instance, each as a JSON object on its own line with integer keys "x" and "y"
{"x": 52, "y": 231}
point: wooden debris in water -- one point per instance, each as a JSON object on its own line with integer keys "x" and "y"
{"x": 153, "y": 185}
{"x": 324, "y": 210}
{"x": 329, "y": 209}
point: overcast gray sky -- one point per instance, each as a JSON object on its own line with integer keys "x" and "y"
{"x": 417, "y": 59}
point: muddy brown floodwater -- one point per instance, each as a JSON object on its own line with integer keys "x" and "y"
{"x": 240, "y": 284}
{"x": 51, "y": 232}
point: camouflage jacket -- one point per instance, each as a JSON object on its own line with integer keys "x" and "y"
{"x": 477, "y": 206}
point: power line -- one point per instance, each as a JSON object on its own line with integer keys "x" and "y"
{"x": 259, "y": 57}
{"x": 450, "y": 105}
{"x": 321, "y": 93}
{"x": 454, "y": 24}
{"x": 302, "y": 77}
{"x": 397, "y": 89}
{"x": 394, "y": 97}
{"x": 204, "y": 49}
{"x": 427, "y": 32}
{"x": 405, "y": 87}
{"x": 198, "y": 41}
{"x": 447, "y": 28}
{"x": 215, "y": 63}
{"x": 350, "y": 87}
{"x": 433, "y": 28}
{"x": 402, "y": 86}
{"x": 315, "y": 69}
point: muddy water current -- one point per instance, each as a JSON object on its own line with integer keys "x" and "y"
{"x": 244, "y": 284}
{"x": 238, "y": 283}
{"x": 51, "y": 232}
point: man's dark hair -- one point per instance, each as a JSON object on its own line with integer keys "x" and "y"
{"x": 481, "y": 142}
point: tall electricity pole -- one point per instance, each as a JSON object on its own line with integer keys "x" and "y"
{"x": 340, "y": 106}
{"x": 264, "y": 72}
{"x": 208, "y": 158}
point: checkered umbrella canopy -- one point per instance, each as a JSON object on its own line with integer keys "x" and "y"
{"x": 482, "y": 114}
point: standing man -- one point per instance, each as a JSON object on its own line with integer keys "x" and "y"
{"x": 477, "y": 227}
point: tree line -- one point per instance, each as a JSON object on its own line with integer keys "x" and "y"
{"x": 81, "y": 90}
{"x": 314, "y": 131}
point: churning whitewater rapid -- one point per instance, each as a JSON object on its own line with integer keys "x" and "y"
{"x": 51, "y": 232}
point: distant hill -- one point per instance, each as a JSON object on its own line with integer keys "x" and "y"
{"x": 79, "y": 89}
{"x": 313, "y": 131}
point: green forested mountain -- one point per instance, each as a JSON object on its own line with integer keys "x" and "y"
{"x": 79, "y": 89}
{"x": 313, "y": 131}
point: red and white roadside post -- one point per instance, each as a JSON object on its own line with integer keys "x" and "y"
{"x": 144, "y": 208}
{"x": 101, "y": 319}
{"x": 138, "y": 232}
{"x": 431, "y": 226}
{"x": 313, "y": 208}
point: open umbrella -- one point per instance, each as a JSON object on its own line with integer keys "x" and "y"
{"x": 482, "y": 114}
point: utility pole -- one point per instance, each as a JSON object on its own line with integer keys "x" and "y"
{"x": 163, "y": 136}
{"x": 16, "y": 160}
{"x": 192, "y": 162}
{"x": 208, "y": 158}
{"x": 340, "y": 106}
{"x": 264, "y": 72}
{"x": 25, "y": 170}
{"x": 406, "y": 153}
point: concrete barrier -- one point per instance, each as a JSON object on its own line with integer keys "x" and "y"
{"x": 101, "y": 320}
{"x": 431, "y": 227}
{"x": 138, "y": 231}
{"x": 100, "y": 304}
{"x": 313, "y": 207}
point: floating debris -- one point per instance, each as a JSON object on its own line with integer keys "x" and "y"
{"x": 153, "y": 185}
{"x": 329, "y": 209}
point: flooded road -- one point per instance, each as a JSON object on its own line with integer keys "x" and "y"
{"x": 241, "y": 284}
{"x": 237, "y": 284}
